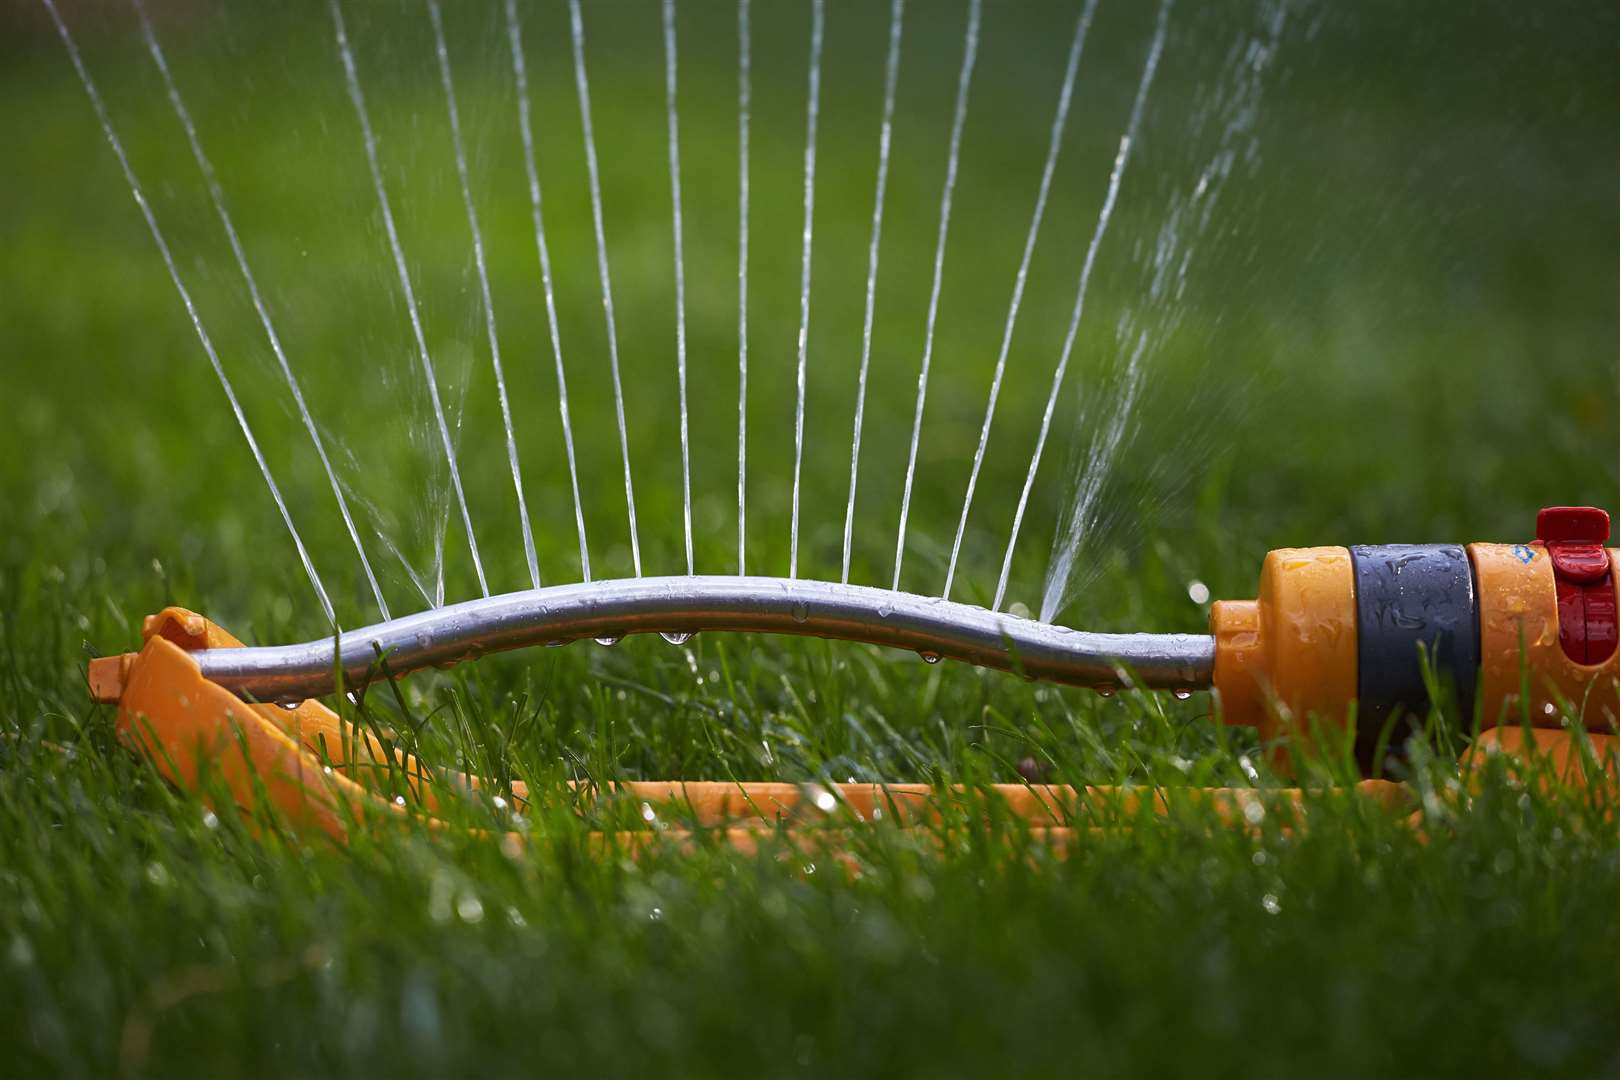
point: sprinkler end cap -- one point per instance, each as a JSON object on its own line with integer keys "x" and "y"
{"x": 107, "y": 677}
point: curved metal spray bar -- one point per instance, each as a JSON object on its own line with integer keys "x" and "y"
{"x": 559, "y": 614}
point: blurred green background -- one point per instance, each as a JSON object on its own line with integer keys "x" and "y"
{"x": 1395, "y": 319}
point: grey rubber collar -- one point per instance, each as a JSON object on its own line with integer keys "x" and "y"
{"x": 1411, "y": 597}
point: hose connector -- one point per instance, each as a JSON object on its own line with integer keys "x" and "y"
{"x": 1290, "y": 655}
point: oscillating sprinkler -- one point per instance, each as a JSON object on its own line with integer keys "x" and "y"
{"x": 1338, "y": 638}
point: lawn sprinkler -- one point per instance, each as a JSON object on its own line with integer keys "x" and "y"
{"x": 1358, "y": 640}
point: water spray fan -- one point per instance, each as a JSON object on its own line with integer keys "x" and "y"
{"x": 1355, "y": 640}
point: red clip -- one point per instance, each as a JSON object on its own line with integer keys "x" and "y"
{"x": 1588, "y": 624}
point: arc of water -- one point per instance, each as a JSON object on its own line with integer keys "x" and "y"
{"x": 1188, "y": 218}
{"x": 673, "y": 119}
{"x": 1103, "y": 448}
{"x": 216, "y": 194}
{"x": 139, "y": 194}
{"x": 1121, "y": 159}
{"x": 434, "y": 597}
{"x": 1060, "y": 120}
{"x": 891, "y": 74}
{"x": 964, "y": 82}
{"x": 357, "y": 98}
{"x": 744, "y": 96}
{"x": 520, "y": 76}
{"x": 582, "y": 84}
{"x": 818, "y": 17}
{"x": 442, "y": 51}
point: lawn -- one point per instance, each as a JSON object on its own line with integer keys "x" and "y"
{"x": 1397, "y": 321}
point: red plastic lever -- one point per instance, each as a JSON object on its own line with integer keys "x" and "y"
{"x": 1588, "y": 623}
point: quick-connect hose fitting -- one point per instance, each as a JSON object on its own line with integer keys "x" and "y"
{"x": 1384, "y": 627}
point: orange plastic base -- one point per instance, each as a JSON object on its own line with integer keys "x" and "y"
{"x": 317, "y": 770}
{"x": 187, "y": 725}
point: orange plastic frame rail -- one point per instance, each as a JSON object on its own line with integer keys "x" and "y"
{"x": 322, "y": 774}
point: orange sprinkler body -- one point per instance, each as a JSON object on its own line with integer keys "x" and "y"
{"x": 1522, "y": 635}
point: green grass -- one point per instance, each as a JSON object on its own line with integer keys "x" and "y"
{"x": 1400, "y": 327}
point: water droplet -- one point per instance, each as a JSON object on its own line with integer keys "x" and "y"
{"x": 1019, "y": 610}
{"x": 800, "y": 611}
{"x": 556, "y": 644}
{"x": 1197, "y": 592}
{"x": 1182, "y": 694}
{"x": 929, "y": 657}
{"x": 648, "y": 814}
{"x": 676, "y": 637}
{"x": 1105, "y": 691}
{"x": 470, "y": 908}
{"x": 825, "y": 801}
{"x": 608, "y": 640}
{"x": 1271, "y": 903}
{"x": 885, "y": 609}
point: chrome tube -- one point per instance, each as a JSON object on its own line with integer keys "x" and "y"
{"x": 559, "y": 614}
